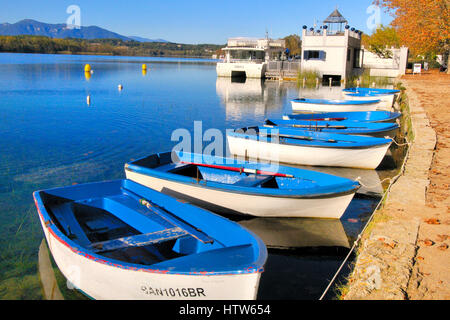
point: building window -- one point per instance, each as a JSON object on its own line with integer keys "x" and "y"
{"x": 314, "y": 55}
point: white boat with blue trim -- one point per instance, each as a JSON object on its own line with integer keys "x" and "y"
{"x": 120, "y": 240}
{"x": 305, "y": 147}
{"x": 228, "y": 185}
{"x": 333, "y": 105}
{"x": 386, "y": 96}
{"x": 361, "y": 116}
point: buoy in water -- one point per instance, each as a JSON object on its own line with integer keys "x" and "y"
{"x": 87, "y": 68}
{"x": 144, "y": 67}
{"x": 120, "y": 87}
{"x": 88, "y": 100}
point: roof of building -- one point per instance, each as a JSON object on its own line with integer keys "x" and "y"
{"x": 335, "y": 17}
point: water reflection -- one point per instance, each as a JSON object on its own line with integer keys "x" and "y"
{"x": 251, "y": 98}
{"x": 369, "y": 179}
{"x": 292, "y": 233}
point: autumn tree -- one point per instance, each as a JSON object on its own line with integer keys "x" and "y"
{"x": 422, "y": 25}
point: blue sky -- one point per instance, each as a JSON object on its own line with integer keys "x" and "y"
{"x": 195, "y": 21}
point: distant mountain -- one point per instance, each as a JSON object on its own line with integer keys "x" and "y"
{"x": 140, "y": 39}
{"x": 36, "y": 28}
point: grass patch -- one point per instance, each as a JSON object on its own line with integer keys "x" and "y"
{"x": 367, "y": 81}
{"x": 309, "y": 77}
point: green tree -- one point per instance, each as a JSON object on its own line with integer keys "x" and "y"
{"x": 381, "y": 41}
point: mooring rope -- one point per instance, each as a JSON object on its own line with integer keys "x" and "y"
{"x": 399, "y": 144}
{"x": 358, "y": 238}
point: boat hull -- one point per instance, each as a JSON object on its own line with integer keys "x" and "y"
{"x": 386, "y": 100}
{"x": 100, "y": 280}
{"x": 364, "y": 158}
{"x": 319, "y": 107}
{"x": 331, "y": 206}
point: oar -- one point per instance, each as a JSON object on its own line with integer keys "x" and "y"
{"x": 241, "y": 169}
{"x": 298, "y": 137}
{"x": 323, "y": 119}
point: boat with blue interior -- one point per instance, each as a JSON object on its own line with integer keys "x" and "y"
{"x": 361, "y": 116}
{"x": 121, "y": 240}
{"x": 333, "y": 105}
{"x": 236, "y": 186}
{"x": 344, "y": 127}
{"x": 306, "y": 147}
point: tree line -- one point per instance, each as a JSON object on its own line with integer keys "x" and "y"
{"x": 41, "y": 44}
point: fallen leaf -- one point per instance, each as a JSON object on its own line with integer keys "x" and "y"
{"x": 390, "y": 245}
{"x": 380, "y": 239}
{"x": 443, "y": 247}
{"x": 420, "y": 258}
{"x": 432, "y": 221}
{"x": 427, "y": 242}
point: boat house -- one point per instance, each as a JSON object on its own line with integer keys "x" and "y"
{"x": 333, "y": 50}
{"x": 248, "y": 57}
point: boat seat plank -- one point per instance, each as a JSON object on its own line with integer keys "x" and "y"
{"x": 171, "y": 218}
{"x": 252, "y": 180}
{"x": 139, "y": 240}
{"x": 64, "y": 214}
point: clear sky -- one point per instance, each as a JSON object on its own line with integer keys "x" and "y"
{"x": 194, "y": 21}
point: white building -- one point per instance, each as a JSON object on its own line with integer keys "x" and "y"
{"x": 386, "y": 67}
{"x": 333, "y": 50}
{"x": 248, "y": 57}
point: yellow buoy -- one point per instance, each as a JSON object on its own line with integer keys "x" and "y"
{"x": 87, "y": 68}
{"x": 87, "y": 75}
{"x": 144, "y": 67}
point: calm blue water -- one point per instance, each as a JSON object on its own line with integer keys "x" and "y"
{"x": 50, "y": 136}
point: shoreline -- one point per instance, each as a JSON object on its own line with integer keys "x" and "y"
{"x": 390, "y": 258}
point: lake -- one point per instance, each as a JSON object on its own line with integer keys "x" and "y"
{"x": 50, "y": 136}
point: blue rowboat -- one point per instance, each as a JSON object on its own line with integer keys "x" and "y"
{"x": 327, "y": 105}
{"x": 344, "y": 127}
{"x": 237, "y": 186}
{"x": 306, "y": 147}
{"x": 121, "y": 240}
{"x": 368, "y": 116}
{"x": 371, "y": 90}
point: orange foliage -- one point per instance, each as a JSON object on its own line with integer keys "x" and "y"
{"x": 423, "y": 25}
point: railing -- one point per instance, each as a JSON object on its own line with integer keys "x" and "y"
{"x": 290, "y": 66}
{"x": 255, "y": 61}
